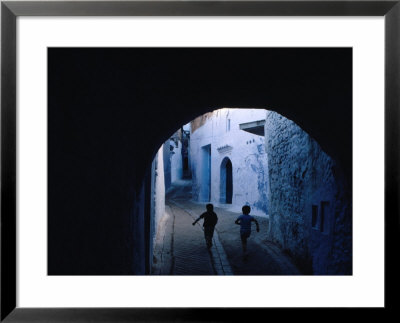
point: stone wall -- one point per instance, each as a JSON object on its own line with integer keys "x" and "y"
{"x": 309, "y": 200}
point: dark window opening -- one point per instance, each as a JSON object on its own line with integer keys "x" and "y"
{"x": 314, "y": 216}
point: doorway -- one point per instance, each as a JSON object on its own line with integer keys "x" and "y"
{"x": 226, "y": 181}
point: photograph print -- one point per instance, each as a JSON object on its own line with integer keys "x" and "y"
{"x": 200, "y": 161}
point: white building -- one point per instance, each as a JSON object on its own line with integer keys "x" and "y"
{"x": 176, "y": 158}
{"x": 173, "y": 163}
{"x": 229, "y": 165}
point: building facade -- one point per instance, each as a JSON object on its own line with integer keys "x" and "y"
{"x": 229, "y": 165}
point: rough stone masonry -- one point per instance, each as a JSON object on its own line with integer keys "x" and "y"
{"x": 310, "y": 205}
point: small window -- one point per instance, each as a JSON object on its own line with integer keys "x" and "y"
{"x": 314, "y": 216}
{"x": 324, "y": 217}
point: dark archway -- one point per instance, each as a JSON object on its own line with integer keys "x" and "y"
{"x": 226, "y": 181}
{"x": 109, "y": 109}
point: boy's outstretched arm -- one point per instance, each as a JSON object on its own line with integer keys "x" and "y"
{"x": 237, "y": 221}
{"x": 257, "y": 226}
{"x": 197, "y": 220}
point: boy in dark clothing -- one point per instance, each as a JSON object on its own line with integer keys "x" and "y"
{"x": 210, "y": 220}
{"x": 244, "y": 221}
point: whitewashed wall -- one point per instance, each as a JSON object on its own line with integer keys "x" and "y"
{"x": 176, "y": 161}
{"x": 246, "y": 152}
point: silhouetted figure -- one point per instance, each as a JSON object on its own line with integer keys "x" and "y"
{"x": 244, "y": 221}
{"x": 210, "y": 220}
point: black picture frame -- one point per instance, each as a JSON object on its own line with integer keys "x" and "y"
{"x": 10, "y": 10}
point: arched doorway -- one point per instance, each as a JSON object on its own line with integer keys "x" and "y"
{"x": 226, "y": 182}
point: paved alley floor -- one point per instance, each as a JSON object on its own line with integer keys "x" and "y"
{"x": 180, "y": 247}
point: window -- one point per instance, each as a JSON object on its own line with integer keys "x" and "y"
{"x": 314, "y": 216}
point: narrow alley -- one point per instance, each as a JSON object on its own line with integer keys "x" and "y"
{"x": 180, "y": 247}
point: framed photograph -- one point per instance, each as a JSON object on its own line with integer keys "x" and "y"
{"x": 184, "y": 160}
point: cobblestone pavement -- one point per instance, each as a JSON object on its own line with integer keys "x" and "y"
{"x": 180, "y": 247}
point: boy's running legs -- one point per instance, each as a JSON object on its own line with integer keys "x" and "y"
{"x": 243, "y": 237}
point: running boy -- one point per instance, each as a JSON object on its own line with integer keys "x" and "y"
{"x": 244, "y": 221}
{"x": 210, "y": 220}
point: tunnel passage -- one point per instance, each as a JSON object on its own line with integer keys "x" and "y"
{"x": 226, "y": 183}
{"x": 109, "y": 109}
